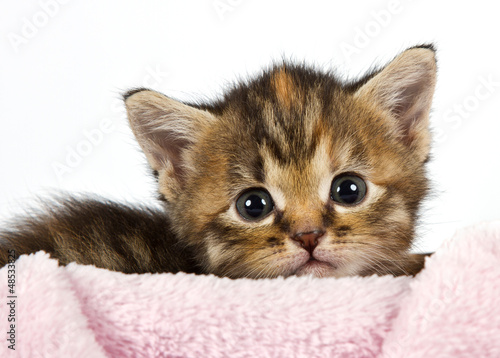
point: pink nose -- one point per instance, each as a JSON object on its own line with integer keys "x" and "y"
{"x": 309, "y": 240}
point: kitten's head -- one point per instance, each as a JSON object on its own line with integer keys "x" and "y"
{"x": 295, "y": 172}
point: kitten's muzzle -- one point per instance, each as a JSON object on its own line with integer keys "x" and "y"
{"x": 309, "y": 240}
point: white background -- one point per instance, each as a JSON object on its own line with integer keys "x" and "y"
{"x": 64, "y": 64}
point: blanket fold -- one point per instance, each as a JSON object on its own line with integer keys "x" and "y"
{"x": 451, "y": 309}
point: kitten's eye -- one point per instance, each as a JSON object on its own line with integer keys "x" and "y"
{"x": 254, "y": 204}
{"x": 348, "y": 189}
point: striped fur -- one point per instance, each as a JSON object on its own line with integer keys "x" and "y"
{"x": 290, "y": 131}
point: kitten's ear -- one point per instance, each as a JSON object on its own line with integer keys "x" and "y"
{"x": 165, "y": 129}
{"x": 405, "y": 88}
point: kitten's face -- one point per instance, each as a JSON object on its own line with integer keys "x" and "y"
{"x": 294, "y": 174}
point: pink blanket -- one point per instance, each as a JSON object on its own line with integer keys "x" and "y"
{"x": 451, "y": 309}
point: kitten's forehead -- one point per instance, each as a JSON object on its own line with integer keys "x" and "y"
{"x": 287, "y": 110}
{"x": 292, "y": 117}
{"x": 288, "y": 121}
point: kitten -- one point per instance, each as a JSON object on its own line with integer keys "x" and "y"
{"x": 292, "y": 173}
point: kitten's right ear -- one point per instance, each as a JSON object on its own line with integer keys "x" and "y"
{"x": 165, "y": 129}
{"x": 405, "y": 88}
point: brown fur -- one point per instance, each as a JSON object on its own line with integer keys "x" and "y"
{"x": 284, "y": 87}
{"x": 100, "y": 233}
{"x": 290, "y": 131}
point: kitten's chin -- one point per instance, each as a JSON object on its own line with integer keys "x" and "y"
{"x": 317, "y": 269}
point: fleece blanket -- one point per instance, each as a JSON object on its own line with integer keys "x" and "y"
{"x": 451, "y": 309}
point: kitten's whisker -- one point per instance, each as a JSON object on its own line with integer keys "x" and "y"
{"x": 232, "y": 268}
{"x": 377, "y": 265}
{"x": 392, "y": 260}
{"x": 383, "y": 262}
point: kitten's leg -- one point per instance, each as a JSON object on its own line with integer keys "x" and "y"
{"x": 415, "y": 264}
{"x": 410, "y": 266}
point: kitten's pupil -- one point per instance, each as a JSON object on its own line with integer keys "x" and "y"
{"x": 254, "y": 204}
{"x": 348, "y": 189}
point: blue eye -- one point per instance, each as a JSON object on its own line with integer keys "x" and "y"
{"x": 348, "y": 189}
{"x": 254, "y": 204}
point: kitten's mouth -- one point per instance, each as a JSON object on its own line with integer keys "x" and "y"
{"x": 316, "y": 268}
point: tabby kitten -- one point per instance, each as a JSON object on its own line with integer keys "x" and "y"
{"x": 291, "y": 173}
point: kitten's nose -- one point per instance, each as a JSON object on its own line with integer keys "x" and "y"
{"x": 309, "y": 240}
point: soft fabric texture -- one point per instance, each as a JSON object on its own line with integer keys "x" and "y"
{"x": 451, "y": 309}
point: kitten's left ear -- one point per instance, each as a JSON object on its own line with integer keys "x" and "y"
{"x": 405, "y": 88}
